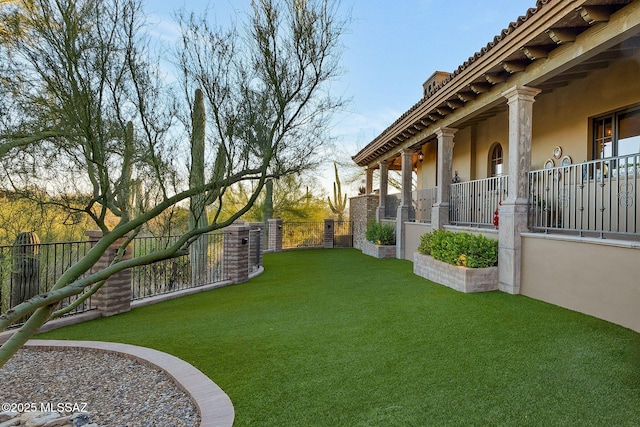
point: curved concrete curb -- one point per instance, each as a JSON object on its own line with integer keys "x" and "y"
{"x": 215, "y": 407}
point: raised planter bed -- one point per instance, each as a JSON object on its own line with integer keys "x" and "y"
{"x": 379, "y": 251}
{"x": 461, "y": 279}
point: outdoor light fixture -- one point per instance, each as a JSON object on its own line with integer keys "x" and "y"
{"x": 244, "y": 240}
{"x": 420, "y": 157}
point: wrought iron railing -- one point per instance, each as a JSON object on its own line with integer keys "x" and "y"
{"x": 342, "y": 234}
{"x": 423, "y": 201}
{"x": 27, "y": 270}
{"x": 175, "y": 274}
{"x": 302, "y": 235}
{"x": 474, "y": 202}
{"x": 391, "y": 203}
{"x": 598, "y": 197}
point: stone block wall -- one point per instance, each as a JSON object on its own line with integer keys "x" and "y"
{"x": 115, "y": 295}
{"x": 275, "y": 235}
{"x": 329, "y": 232}
{"x": 363, "y": 212}
{"x": 236, "y": 249}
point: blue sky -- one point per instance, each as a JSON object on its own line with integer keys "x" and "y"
{"x": 391, "y": 48}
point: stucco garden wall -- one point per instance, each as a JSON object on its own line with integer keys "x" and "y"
{"x": 593, "y": 276}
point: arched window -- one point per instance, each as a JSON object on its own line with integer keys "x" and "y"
{"x": 495, "y": 160}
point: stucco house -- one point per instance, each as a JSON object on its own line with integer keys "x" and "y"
{"x": 539, "y": 133}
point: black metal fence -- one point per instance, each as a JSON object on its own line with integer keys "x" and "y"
{"x": 343, "y": 234}
{"x": 598, "y": 197}
{"x": 302, "y": 235}
{"x": 29, "y": 269}
{"x": 177, "y": 273}
{"x": 306, "y": 235}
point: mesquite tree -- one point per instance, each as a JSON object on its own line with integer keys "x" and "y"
{"x": 75, "y": 73}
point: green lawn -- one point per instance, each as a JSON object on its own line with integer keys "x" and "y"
{"x": 336, "y": 338}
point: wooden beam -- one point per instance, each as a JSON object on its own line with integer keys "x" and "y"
{"x": 444, "y": 111}
{"x": 594, "y": 14}
{"x": 535, "y": 52}
{"x": 466, "y": 96}
{"x": 495, "y": 78}
{"x": 453, "y": 104}
{"x": 561, "y": 35}
{"x": 479, "y": 88}
{"x": 513, "y": 66}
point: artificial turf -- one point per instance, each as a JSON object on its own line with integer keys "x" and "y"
{"x": 336, "y": 338}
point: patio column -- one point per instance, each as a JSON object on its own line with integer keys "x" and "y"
{"x": 368, "y": 189}
{"x": 440, "y": 211}
{"x": 513, "y": 212}
{"x": 404, "y": 210}
{"x": 384, "y": 179}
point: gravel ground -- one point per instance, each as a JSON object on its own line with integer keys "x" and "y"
{"x": 115, "y": 390}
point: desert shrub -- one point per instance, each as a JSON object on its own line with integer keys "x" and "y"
{"x": 381, "y": 234}
{"x": 463, "y": 249}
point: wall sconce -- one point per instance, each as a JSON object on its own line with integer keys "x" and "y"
{"x": 420, "y": 157}
{"x": 244, "y": 240}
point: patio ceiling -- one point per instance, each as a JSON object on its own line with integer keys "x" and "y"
{"x": 472, "y": 93}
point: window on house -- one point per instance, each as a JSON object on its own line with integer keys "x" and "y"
{"x": 495, "y": 160}
{"x": 616, "y": 134}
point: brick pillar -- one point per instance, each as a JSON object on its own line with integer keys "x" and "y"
{"x": 329, "y": 232}
{"x": 255, "y": 245}
{"x": 115, "y": 295}
{"x": 275, "y": 235}
{"x": 236, "y": 248}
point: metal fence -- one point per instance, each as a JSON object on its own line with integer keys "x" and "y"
{"x": 423, "y": 201}
{"x": 474, "y": 202}
{"x": 306, "y": 235}
{"x": 27, "y": 270}
{"x": 175, "y": 274}
{"x": 342, "y": 234}
{"x": 599, "y": 197}
{"x": 302, "y": 235}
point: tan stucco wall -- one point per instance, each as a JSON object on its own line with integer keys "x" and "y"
{"x": 596, "y": 277}
{"x": 561, "y": 117}
{"x": 413, "y": 231}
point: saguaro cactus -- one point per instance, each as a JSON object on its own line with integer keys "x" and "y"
{"x": 267, "y": 211}
{"x": 339, "y": 203}
{"x": 25, "y": 275}
{"x": 197, "y": 207}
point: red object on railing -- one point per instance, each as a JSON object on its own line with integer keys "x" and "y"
{"x": 496, "y": 220}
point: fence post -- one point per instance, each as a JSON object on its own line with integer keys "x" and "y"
{"x": 115, "y": 295}
{"x": 236, "y": 246}
{"x": 255, "y": 245}
{"x": 329, "y": 233}
{"x": 275, "y": 235}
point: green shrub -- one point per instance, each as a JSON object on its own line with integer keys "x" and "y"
{"x": 381, "y": 234}
{"x": 425, "y": 244}
{"x": 463, "y": 249}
